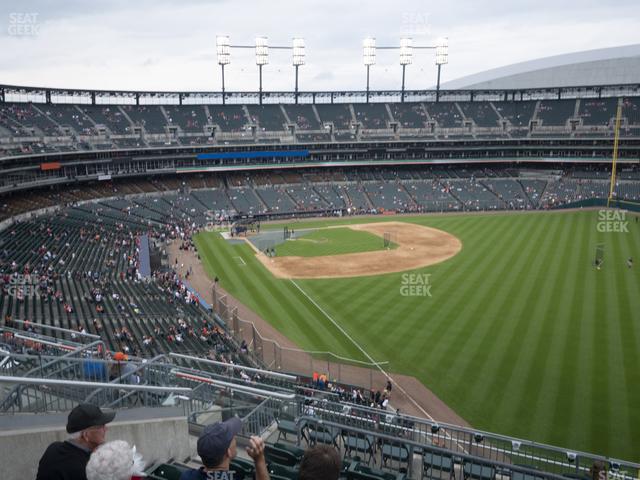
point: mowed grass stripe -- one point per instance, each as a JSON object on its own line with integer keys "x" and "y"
{"x": 500, "y": 311}
{"x": 491, "y": 388}
{"x": 313, "y": 327}
{"x": 217, "y": 260}
{"x": 478, "y": 286}
{"x": 535, "y": 368}
{"x": 501, "y": 284}
{"x": 567, "y": 407}
{"x": 356, "y": 315}
{"x": 630, "y": 331}
{"x": 448, "y": 301}
{"x": 559, "y": 339}
{"x": 615, "y": 308}
{"x": 582, "y": 412}
{"x": 618, "y": 412}
{"x": 510, "y": 377}
{"x": 598, "y": 391}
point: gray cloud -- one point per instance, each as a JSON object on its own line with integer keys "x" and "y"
{"x": 163, "y": 44}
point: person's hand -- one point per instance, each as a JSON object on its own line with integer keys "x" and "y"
{"x": 256, "y": 451}
{"x": 256, "y": 448}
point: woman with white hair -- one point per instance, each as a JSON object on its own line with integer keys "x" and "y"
{"x": 116, "y": 460}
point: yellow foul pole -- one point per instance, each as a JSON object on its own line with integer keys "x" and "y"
{"x": 616, "y": 137}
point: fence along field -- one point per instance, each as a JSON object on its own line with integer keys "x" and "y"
{"x": 521, "y": 334}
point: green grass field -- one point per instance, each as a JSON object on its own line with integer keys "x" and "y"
{"x": 330, "y": 241}
{"x": 521, "y": 336}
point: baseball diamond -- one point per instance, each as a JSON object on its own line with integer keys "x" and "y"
{"x": 504, "y": 338}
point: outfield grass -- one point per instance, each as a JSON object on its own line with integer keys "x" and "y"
{"x": 522, "y": 335}
{"x": 330, "y": 241}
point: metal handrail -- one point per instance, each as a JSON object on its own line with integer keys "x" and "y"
{"x": 45, "y": 342}
{"x": 242, "y": 388}
{"x": 59, "y": 329}
{"x": 39, "y": 337}
{"x": 268, "y": 373}
{"x": 118, "y": 380}
{"x": 77, "y": 383}
{"x": 466, "y": 430}
{"x": 381, "y": 436}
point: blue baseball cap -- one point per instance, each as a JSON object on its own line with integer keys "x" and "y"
{"x": 215, "y": 440}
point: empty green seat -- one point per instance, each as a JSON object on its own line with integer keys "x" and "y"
{"x": 479, "y": 472}
{"x": 242, "y": 468}
{"x": 292, "y": 449}
{"x": 283, "y": 454}
{"x": 288, "y": 427}
{"x": 360, "y": 471}
{"x": 433, "y": 462}
{"x": 320, "y": 434}
{"x": 524, "y": 476}
{"x": 358, "y": 443}
{"x": 394, "y": 452}
{"x": 283, "y": 471}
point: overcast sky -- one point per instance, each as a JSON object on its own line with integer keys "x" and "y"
{"x": 170, "y": 45}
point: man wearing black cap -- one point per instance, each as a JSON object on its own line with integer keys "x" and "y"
{"x": 68, "y": 460}
{"x": 217, "y": 447}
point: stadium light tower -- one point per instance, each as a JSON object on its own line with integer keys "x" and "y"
{"x": 223, "y": 48}
{"x": 369, "y": 57}
{"x": 406, "y": 57}
{"x": 298, "y": 59}
{"x": 442, "y": 58}
{"x": 262, "y": 58}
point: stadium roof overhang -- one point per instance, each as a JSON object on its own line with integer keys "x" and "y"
{"x": 15, "y": 93}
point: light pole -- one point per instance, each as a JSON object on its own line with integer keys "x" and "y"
{"x": 224, "y": 56}
{"x": 298, "y": 59}
{"x": 442, "y": 58}
{"x": 369, "y": 57}
{"x": 406, "y": 57}
{"x": 262, "y": 58}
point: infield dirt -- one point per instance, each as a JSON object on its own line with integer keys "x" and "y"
{"x": 418, "y": 247}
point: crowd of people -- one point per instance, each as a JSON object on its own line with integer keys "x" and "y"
{"x": 86, "y": 455}
{"x": 349, "y": 393}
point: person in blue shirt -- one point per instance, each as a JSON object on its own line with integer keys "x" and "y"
{"x": 217, "y": 447}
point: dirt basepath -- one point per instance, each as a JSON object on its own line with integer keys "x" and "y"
{"x": 416, "y": 400}
{"x": 418, "y": 246}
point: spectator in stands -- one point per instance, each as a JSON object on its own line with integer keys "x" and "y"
{"x": 115, "y": 460}
{"x": 217, "y": 447}
{"x": 67, "y": 460}
{"x": 598, "y": 470}
{"x": 321, "y": 462}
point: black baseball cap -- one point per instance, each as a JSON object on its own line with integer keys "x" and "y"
{"x": 86, "y": 415}
{"x": 215, "y": 440}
